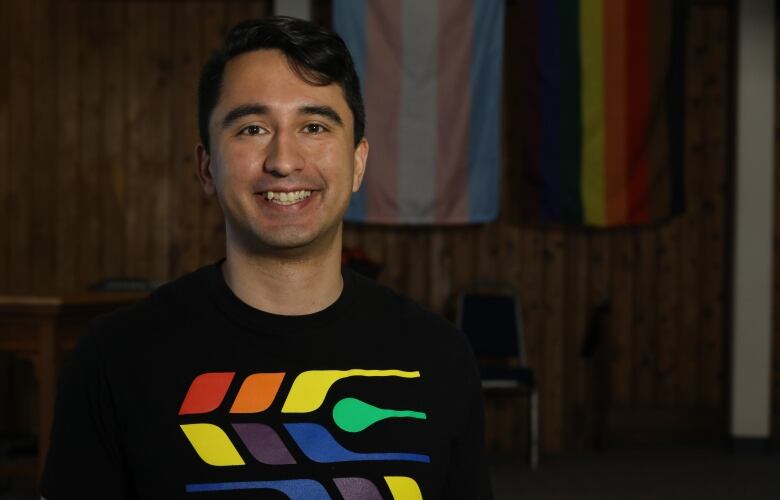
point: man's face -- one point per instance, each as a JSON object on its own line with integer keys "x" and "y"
{"x": 283, "y": 162}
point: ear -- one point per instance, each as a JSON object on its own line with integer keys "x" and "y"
{"x": 361, "y": 155}
{"x": 204, "y": 170}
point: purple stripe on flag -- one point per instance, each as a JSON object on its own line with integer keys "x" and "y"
{"x": 550, "y": 103}
{"x": 524, "y": 140}
{"x": 383, "y": 104}
{"x": 454, "y": 113}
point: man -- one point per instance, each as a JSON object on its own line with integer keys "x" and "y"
{"x": 273, "y": 373}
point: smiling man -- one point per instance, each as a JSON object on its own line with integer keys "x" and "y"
{"x": 273, "y": 373}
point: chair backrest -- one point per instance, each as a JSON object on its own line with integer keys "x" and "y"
{"x": 491, "y": 319}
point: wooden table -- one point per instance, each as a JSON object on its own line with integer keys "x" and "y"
{"x": 42, "y": 328}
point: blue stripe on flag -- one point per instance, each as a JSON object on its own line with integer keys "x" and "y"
{"x": 485, "y": 134}
{"x": 349, "y": 21}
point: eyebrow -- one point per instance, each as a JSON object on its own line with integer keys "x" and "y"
{"x": 261, "y": 109}
{"x": 324, "y": 111}
{"x": 242, "y": 111}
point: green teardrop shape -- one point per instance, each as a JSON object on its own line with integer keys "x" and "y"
{"x": 354, "y": 415}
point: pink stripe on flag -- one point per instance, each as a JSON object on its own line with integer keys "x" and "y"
{"x": 383, "y": 104}
{"x": 456, "y": 30}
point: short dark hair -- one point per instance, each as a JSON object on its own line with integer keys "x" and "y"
{"x": 318, "y": 56}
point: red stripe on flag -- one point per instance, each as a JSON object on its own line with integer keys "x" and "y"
{"x": 456, "y": 29}
{"x": 638, "y": 119}
{"x": 383, "y": 105}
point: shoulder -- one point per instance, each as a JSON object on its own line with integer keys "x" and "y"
{"x": 166, "y": 305}
{"x": 408, "y": 318}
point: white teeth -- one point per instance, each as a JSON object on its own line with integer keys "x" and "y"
{"x": 287, "y": 198}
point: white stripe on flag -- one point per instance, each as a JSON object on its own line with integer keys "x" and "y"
{"x": 418, "y": 121}
{"x": 293, "y": 8}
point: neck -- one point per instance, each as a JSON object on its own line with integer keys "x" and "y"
{"x": 283, "y": 284}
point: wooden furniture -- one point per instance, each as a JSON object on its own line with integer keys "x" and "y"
{"x": 42, "y": 328}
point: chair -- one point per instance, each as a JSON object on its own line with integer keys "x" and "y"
{"x": 490, "y": 316}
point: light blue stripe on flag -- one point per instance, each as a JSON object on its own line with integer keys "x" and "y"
{"x": 485, "y": 135}
{"x": 349, "y": 21}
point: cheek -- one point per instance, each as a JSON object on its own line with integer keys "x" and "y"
{"x": 334, "y": 161}
{"x": 240, "y": 164}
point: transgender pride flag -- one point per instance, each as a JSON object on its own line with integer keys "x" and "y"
{"x": 431, "y": 78}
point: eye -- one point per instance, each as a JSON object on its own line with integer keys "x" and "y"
{"x": 251, "y": 130}
{"x": 314, "y": 128}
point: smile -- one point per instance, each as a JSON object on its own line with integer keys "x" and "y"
{"x": 286, "y": 198}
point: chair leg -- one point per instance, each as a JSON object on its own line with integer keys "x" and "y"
{"x": 533, "y": 430}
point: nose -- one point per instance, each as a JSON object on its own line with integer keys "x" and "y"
{"x": 284, "y": 156}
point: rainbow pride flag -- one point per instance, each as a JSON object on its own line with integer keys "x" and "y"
{"x": 431, "y": 73}
{"x": 600, "y": 129}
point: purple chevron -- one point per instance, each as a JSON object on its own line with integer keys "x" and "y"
{"x": 357, "y": 488}
{"x": 264, "y": 444}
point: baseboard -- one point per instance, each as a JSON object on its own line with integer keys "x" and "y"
{"x": 660, "y": 425}
{"x": 750, "y": 445}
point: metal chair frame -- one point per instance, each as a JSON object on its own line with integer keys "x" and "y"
{"x": 501, "y": 289}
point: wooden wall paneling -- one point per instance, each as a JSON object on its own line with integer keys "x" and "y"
{"x": 20, "y": 135}
{"x": 160, "y": 154}
{"x": 645, "y": 329}
{"x": 597, "y": 363}
{"x": 688, "y": 354}
{"x": 372, "y": 241}
{"x": 622, "y": 299}
{"x": 696, "y": 171}
{"x": 236, "y": 12}
{"x": 42, "y": 201}
{"x": 667, "y": 315}
{"x": 440, "y": 263}
{"x": 463, "y": 249}
{"x": 666, "y": 321}
{"x": 67, "y": 144}
{"x": 531, "y": 290}
{"x": 113, "y": 182}
{"x": 417, "y": 250}
{"x": 552, "y": 375}
{"x": 715, "y": 217}
{"x": 140, "y": 194}
{"x": 509, "y": 254}
{"x": 186, "y": 194}
{"x": 90, "y": 170}
{"x": 486, "y": 265}
{"x": 392, "y": 273}
{"x": 212, "y": 233}
{"x": 5, "y": 131}
{"x": 258, "y": 9}
{"x": 576, "y": 375}
{"x": 350, "y": 235}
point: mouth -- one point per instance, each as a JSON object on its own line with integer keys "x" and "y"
{"x": 285, "y": 197}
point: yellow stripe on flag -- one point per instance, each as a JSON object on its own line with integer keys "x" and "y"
{"x": 592, "y": 47}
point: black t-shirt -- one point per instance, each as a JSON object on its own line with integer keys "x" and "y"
{"x": 192, "y": 393}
